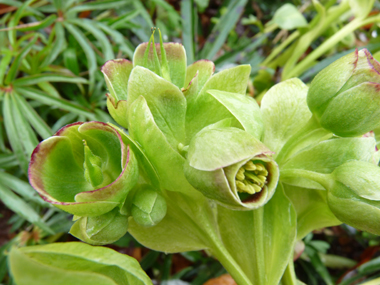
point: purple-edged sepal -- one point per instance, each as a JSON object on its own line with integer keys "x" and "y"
{"x": 85, "y": 169}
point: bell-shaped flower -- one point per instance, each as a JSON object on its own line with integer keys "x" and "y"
{"x": 84, "y": 169}
{"x": 233, "y": 168}
{"x": 345, "y": 98}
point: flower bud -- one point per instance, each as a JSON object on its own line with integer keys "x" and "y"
{"x": 344, "y": 96}
{"x": 148, "y": 206}
{"x": 237, "y": 171}
{"x": 85, "y": 169}
{"x": 354, "y": 196}
{"x": 100, "y": 230}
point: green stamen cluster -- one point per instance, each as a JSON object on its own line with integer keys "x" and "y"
{"x": 251, "y": 177}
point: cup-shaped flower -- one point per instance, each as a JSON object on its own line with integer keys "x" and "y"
{"x": 233, "y": 168}
{"x": 345, "y": 96}
{"x": 354, "y": 195}
{"x": 84, "y": 169}
{"x": 148, "y": 206}
{"x": 100, "y": 230}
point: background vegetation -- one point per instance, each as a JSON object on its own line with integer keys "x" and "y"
{"x": 51, "y": 52}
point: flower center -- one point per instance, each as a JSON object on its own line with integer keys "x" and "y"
{"x": 251, "y": 177}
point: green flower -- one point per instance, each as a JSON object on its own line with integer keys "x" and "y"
{"x": 85, "y": 169}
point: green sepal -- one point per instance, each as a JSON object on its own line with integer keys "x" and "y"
{"x": 101, "y": 230}
{"x": 176, "y": 59}
{"x": 148, "y": 206}
{"x": 244, "y": 108}
{"x": 203, "y": 109}
{"x": 204, "y": 68}
{"x": 165, "y": 100}
{"x": 284, "y": 112}
{"x": 118, "y": 110}
{"x": 74, "y": 263}
{"x": 165, "y": 159}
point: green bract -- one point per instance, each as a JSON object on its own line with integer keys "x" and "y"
{"x": 345, "y": 95}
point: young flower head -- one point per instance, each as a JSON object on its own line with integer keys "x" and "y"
{"x": 233, "y": 168}
{"x": 345, "y": 96}
{"x": 85, "y": 169}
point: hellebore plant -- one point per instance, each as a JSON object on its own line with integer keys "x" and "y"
{"x": 202, "y": 166}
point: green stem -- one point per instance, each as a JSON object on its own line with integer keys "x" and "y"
{"x": 322, "y": 179}
{"x": 332, "y": 41}
{"x": 289, "y": 277}
{"x": 258, "y": 220}
{"x": 225, "y": 258}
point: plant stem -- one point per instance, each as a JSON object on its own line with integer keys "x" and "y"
{"x": 258, "y": 219}
{"x": 322, "y": 179}
{"x": 349, "y": 28}
{"x": 289, "y": 277}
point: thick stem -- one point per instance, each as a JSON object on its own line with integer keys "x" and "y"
{"x": 225, "y": 258}
{"x": 289, "y": 277}
{"x": 258, "y": 220}
{"x": 322, "y": 179}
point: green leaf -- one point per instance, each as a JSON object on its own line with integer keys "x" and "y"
{"x": 245, "y": 109}
{"x": 164, "y": 99}
{"x": 34, "y": 119}
{"x": 4, "y": 64}
{"x": 189, "y": 20}
{"x": 57, "y": 45}
{"x": 221, "y": 30}
{"x": 74, "y": 263}
{"x": 287, "y": 17}
{"x": 12, "y": 133}
{"x": 44, "y": 98}
{"x": 203, "y": 68}
{"x": 98, "y": 5}
{"x": 88, "y": 51}
{"x": 22, "y": 188}
{"x": 312, "y": 210}
{"x": 259, "y": 237}
{"x": 8, "y": 160}
{"x": 21, "y": 208}
{"x": 284, "y": 112}
{"x": 37, "y": 25}
{"x": 12, "y": 72}
{"x": 91, "y": 27}
{"x": 50, "y": 77}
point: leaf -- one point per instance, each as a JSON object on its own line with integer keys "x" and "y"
{"x": 189, "y": 19}
{"x": 287, "y": 17}
{"x": 12, "y": 72}
{"x": 44, "y": 98}
{"x": 259, "y": 237}
{"x": 36, "y": 25}
{"x": 56, "y": 48}
{"x": 98, "y": 5}
{"x": 91, "y": 27}
{"x": 21, "y": 208}
{"x": 284, "y": 111}
{"x": 221, "y": 30}
{"x": 12, "y": 133}
{"x": 245, "y": 109}
{"x": 312, "y": 210}
{"x": 50, "y": 77}
{"x": 22, "y": 188}
{"x": 88, "y": 51}
{"x": 74, "y": 263}
{"x": 4, "y": 64}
